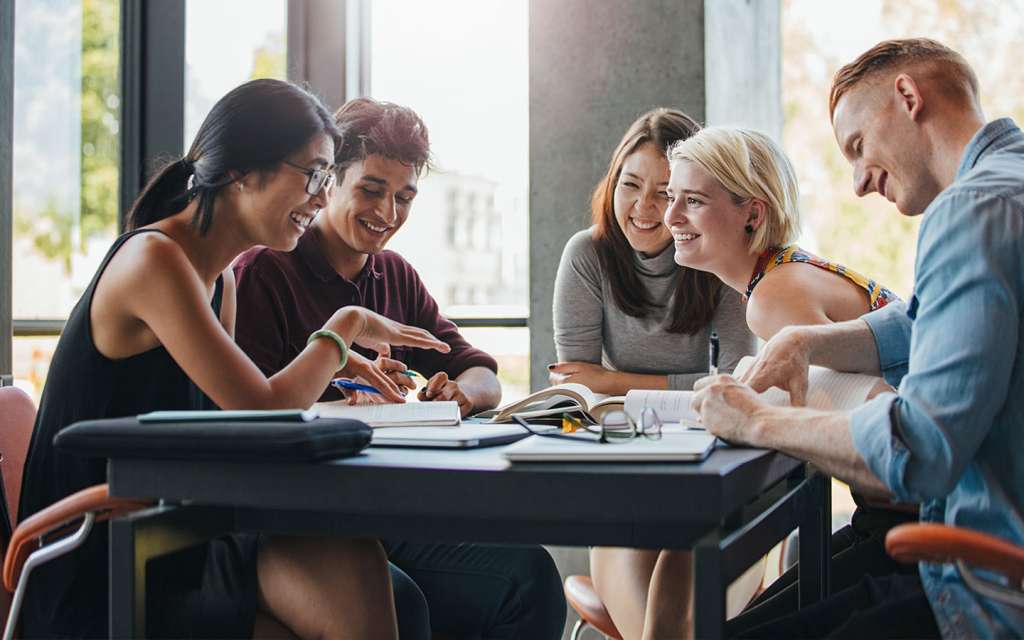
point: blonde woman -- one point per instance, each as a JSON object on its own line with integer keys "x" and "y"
{"x": 734, "y": 212}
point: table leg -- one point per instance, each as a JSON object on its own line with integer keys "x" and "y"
{"x": 815, "y": 520}
{"x": 708, "y": 588}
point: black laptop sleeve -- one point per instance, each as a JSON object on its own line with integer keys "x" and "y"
{"x": 319, "y": 439}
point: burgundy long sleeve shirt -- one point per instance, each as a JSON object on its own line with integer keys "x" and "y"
{"x": 285, "y": 296}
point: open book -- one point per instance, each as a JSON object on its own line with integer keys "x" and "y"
{"x": 408, "y": 414}
{"x": 827, "y": 390}
{"x": 570, "y": 397}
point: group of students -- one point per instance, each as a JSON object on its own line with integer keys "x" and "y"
{"x": 249, "y": 279}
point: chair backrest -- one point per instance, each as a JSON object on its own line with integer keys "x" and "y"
{"x": 17, "y": 417}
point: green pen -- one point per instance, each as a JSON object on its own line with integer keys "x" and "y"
{"x": 411, "y": 373}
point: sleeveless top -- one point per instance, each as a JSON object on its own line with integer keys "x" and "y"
{"x": 878, "y": 296}
{"x": 68, "y": 596}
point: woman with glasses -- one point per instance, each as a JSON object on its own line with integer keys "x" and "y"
{"x": 154, "y": 331}
{"x": 626, "y": 316}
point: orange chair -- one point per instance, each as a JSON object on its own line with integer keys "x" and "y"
{"x": 580, "y": 594}
{"x": 52, "y": 532}
{"x": 966, "y": 548}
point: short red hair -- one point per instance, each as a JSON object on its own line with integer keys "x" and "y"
{"x": 956, "y": 77}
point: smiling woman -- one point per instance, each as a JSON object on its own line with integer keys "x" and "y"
{"x": 154, "y": 331}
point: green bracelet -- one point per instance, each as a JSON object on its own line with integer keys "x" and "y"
{"x": 327, "y": 333}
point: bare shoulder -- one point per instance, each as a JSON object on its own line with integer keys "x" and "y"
{"x": 784, "y": 297}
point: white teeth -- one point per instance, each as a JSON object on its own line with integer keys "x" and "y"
{"x": 373, "y": 227}
{"x": 644, "y": 224}
{"x": 683, "y": 237}
{"x": 300, "y": 219}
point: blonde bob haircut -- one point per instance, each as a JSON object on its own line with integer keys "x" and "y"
{"x": 749, "y": 165}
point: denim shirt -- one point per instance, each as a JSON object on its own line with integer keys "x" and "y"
{"x": 953, "y": 436}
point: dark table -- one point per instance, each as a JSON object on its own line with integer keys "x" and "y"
{"x": 730, "y": 509}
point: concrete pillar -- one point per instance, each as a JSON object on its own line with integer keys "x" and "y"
{"x": 595, "y": 67}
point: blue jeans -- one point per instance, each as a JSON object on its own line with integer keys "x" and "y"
{"x": 476, "y": 591}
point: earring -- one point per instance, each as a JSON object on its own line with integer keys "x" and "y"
{"x": 749, "y": 228}
{"x": 239, "y": 186}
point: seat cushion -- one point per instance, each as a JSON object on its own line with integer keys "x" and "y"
{"x": 580, "y": 593}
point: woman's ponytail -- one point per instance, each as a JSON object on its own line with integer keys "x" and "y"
{"x": 166, "y": 194}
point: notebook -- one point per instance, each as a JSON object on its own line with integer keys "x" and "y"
{"x": 409, "y": 414}
{"x": 685, "y": 446}
{"x": 467, "y": 436}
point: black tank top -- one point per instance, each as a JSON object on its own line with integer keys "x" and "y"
{"x": 68, "y": 596}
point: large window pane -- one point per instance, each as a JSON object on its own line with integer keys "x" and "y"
{"x": 462, "y": 65}
{"x": 66, "y": 126}
{"x": 226, "y": 43}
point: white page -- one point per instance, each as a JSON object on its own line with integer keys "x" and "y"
{"x": 394, "y": 414}
{"x": 671, "y": 406}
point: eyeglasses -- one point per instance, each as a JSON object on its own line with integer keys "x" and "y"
{"x": 319, "y": 179}
{"x": 614, "y": 427}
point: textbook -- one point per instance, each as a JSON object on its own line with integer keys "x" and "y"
{"x": 827, "y": 390}
{"x": 405, "y": 414}
{"x": 570, "y": 397}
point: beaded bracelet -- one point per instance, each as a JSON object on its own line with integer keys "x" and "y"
{"x": 327, "y": 333}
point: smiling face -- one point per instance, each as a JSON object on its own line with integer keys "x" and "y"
{"x": 275, "y": 207}
{"x": 640, "y": 199}
{"x": 371, "y": 203}
{"x": 707, "y": 226}
{"x": 885, "y": 146}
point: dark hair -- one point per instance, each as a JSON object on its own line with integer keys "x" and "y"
{"x": 695, "y": 291}
{"x": 252, "y": 128}
{"x": 382, "y": 128}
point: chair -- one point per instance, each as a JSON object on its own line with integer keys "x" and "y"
{"x": 581, "y": 596}
{"x": 926, "y": 542}
{"x": 52, "y": 532}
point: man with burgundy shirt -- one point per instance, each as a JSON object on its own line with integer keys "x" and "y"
{"x": 470, "y": 590}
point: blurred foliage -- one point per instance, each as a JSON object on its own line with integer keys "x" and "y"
{"x": 56, "y": 233}
{"x": 269, "y": 60}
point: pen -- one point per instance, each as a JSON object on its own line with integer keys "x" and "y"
{"x": 713, "y": 354}
{"x": 354, "y": 386}
{"x": 411, "y": 373}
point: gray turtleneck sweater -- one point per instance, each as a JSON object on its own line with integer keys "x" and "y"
{"x": 589, "y": 327}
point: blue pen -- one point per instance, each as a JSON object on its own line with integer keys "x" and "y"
{"x": 354, "y": 386}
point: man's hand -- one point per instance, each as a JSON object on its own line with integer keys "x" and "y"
{"x": 727, "y": 408}
{"x": 593, "y": 376}
{"x": 439, "y": 387}
{"x": 782, "y": 363}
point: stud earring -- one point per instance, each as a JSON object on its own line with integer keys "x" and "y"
{"x": 239, "y": 186}
{"x": 749, "y": 228}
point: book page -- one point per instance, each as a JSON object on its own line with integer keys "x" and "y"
{"x": 827, "y": 390}
{"x": 671, "y": 406}
{"x": 394, "y": 414}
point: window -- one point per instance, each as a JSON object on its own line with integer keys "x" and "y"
{"x": 463, "y": 66}
{"x": 214, "y": 65}
{"x": 65, "y": 155}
